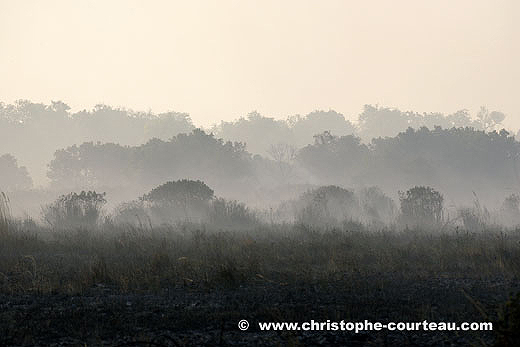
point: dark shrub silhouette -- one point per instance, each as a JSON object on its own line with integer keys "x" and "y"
{"x": 74, "y": 210}
{"x": 133, "y": 212}
{"x": 231, "y": 214}
{"x": 181, "y": 191}
{"x": 476, "y": 218}
{"x": 377, "y": 208}
{"x": 511, "y": 210}
{"x": 421, "y": 206}
{"x": 186, "y": 200}
{"x": 327, "y": 205}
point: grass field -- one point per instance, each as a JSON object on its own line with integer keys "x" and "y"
{"x": 191, "y": 279}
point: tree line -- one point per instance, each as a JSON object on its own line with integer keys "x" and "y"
{"x": 457, "y": 160}
{"x": 32, "y": 132}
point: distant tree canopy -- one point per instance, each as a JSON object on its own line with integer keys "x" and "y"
{"x": 256, "y": 131}
{"x": 12, "y": 176}
{"x": 377, "y": 121}
{"x": 458, "y": 160}
{"x": 114, "y": 147}
{"x": 34, "y": 131}
{"x": 186, "y": 155}
{"x": 260, "y": 132}
{"x": 102, "y": 123}
{"x": 335, "y": 160}
{"x": 304, "y": 128}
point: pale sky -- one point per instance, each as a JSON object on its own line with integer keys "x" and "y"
{"x": 222, "y": 59}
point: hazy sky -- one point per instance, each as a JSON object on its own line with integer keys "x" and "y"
{"x": 221, "y": 59}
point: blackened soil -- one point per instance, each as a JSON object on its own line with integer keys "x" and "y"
{"x": 195, "y": 315}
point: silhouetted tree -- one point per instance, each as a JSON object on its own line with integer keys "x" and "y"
{"x": 284, "y": 155}
{"x": 304, "y": 128}
{"x": 12, "y": 176}
{"x": 333, "y": 159}
{"x": 377, "y": 121}
{"x": 255, "y": 130}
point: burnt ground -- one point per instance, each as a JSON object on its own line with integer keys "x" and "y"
{"x": 197, "y": 315}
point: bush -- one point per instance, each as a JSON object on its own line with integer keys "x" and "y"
{"x": 377, "y": 208}
{"x": 184, "y": 200}
{"x": 511, "y": 210}
{"x": 133, "y": 212}
{"x": 181, "y": 191}
{"x": 476, "y": 218}
{"x": 421, "y": 206}
{"x": 327, "y": 205}
{"x": 74, "y": 210}
{"x": 231, "y": 214}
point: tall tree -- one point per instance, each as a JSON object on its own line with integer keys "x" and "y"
{"x": 13, "y": 177}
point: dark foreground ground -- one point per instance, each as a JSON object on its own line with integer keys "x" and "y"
{"x": 191, "y": 287}
{"x": 192, "y": 316}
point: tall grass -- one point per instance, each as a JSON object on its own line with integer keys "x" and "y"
{"x": 129, "y": 258}
{"x": 5, "y": 214}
